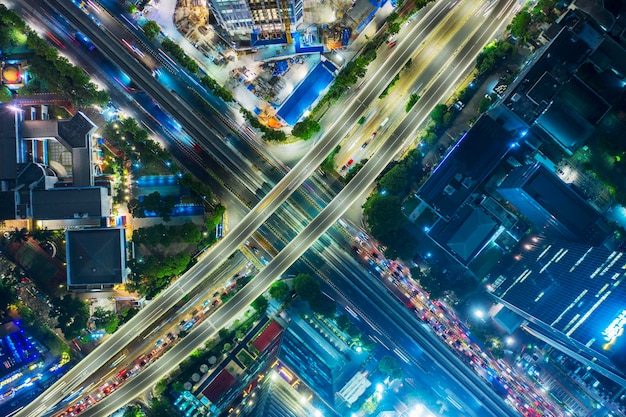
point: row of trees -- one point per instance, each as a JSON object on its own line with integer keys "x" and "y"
{"x": 269, "y": 134}
{"x": 156, "y": 272}
{"x": 51, "y": 72}
{"x": 306, "y": 128}
{"x": 383, "y": 210}
{"x": 161, "y": 234}
{"x": 154, "y": 202}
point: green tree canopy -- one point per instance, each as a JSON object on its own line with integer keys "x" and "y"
{"x": 260, "y": 304}
{"x": 520, "y": 26}
{"x": 323, "y": 305}
{"x": 389, "y": 366}
{"x": 5, "y": 95}
{"x": 306, "y": 128}
{"x": 72, "y": 315}
{"x": 151, "y": 29}
{"x": 306, "y": 287}
{"x": 106, "y": 319}
{"x": 395, "y": 180}
{"x": 279, "y": 290}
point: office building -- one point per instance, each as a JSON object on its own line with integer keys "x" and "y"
{"x": 96, "y": 258}
{"x": 275, "y": 397}
{"x": 271, "y": 18}
{"x": 554, "y": 208}
{"x": 472, "y": 159}
{"x": 573, "y": 297}
{"x": 316, "y": 361}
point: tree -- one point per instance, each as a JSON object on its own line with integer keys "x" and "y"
{"x": 106, "y": 319}
{"x": 190, "y": 232}
{"x": 260, "y": 304}
{"x": 323, "y": 305}
{"x": 279, "y": 290}
{"x": 520, "y": 26}
{"x": 383, "y": 214}
{"x": 72, "y": 315}
{"x": 132, "y": 9}
{"x": 133, "y": 411}
{"x": 388, "y": 365}
{"x": 20, "y": 235}
{"x": 343, "y": 322}
{"x": 8, "y": 295}
{"x": 437, "y": 114}
{"x": 151, "y": 29}
{"x": 306, "y": 287}
{"x": 5, "y": 95}
{"x": 306, "y": 128}
{"x": 395, "y": 180}
{"x": 42, "y": 235}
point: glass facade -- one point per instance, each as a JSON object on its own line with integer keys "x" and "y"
{"x": 573, "y": 296}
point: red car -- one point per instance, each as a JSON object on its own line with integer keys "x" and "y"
{"x": 391, "y": 44}
{"x": 350, "y": 162}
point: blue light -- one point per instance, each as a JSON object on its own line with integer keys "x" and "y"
{"x": 523, "y": 133}
{"x": 429, "y": 255}
{"x": 514, "y": 145}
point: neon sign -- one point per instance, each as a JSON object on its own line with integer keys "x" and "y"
{"x": 614, "y": 330}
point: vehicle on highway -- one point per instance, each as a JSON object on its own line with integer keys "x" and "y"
{"x": 84, "y": 40}
{"x": 364, "y": 145}
{"x": 350, "y": 162}
{"x": 391, "y": 44}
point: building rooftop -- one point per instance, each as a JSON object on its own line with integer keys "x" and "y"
{"x": 555, "y": 197}
{"x": 8, "y": 144}
{"x": 70, "y": 203}
{"x": 466, "y": 165}
{"x": 569, "y": 291}
{"x": 95, "y": 257}
{"x": 266, "y": 337}
{"x": 218, "y": 386}
{"x": 465, "y": 235}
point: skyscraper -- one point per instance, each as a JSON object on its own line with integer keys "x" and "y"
{"x": 573, "y": 297}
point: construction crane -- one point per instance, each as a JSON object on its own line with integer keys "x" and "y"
{"x": 286, "y": 21}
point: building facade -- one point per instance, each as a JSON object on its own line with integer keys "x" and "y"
{"x": 573, "y": 297}
{"x": 243, "y": 17}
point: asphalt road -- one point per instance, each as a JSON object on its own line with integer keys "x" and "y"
{"x": 456, "y": 370}
{"x": 289, "y": 184}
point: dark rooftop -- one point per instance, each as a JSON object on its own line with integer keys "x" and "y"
{"x": 465, "y": 166}
{"x": 75, "y": 130}
{"x": 8, "y": 149}
{"x": 465, "y": 234}
{"x": 96, "y": 256}
{"x": 69, "y": 203}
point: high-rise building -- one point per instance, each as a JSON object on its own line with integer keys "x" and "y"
{"x": 275, "y": 397}
{"x": 573, "y": 297}
{"x": 552, "y": 206}
{"x": 320, "y": 364}
{"x": 242, "y": 17}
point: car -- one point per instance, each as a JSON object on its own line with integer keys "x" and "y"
{"x": 391, "y": 44}
{"x": 364, "y": 145}
{"x": 350, "y": 162}
{"x": 254, "y": 249}
{"x": 343, "y": 168}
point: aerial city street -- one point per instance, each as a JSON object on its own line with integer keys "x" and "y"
{"x": 312, "y": 208}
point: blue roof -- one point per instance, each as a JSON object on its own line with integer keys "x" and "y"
{"x": 305, "y": 94}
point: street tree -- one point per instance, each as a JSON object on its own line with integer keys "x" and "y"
{"x": 389, "y": 366}
{"x": 279, "y": 290}
{"x": 260, "y": 304}
{"x": 306, "y": 287}
{"x": 151, "y": 29}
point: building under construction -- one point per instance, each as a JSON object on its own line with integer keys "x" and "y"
{"x": 267, "y": 18}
